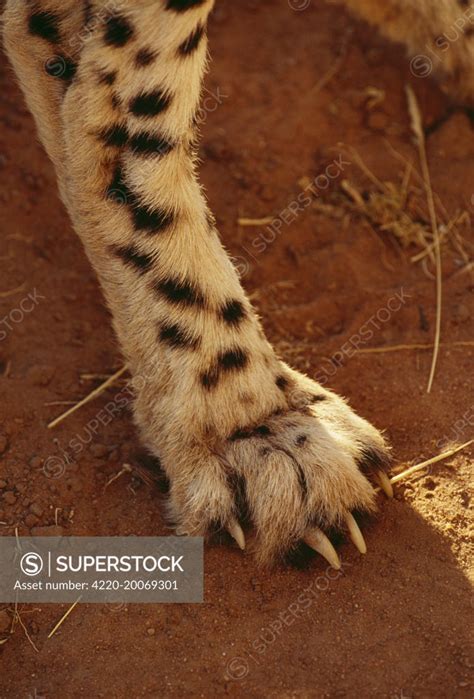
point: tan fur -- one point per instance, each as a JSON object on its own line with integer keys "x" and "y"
{"x": 301, "y": 450}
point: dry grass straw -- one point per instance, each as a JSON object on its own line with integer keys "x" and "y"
{"x": 126, "y": 468}
{"x": 64, "y": 617}
{"x": 400, "y": 348}
{"x": 93, "y": 394}
{"x": 25, "y": 630}
{"x": 417, "y": 128}
{"x": 265, "y": 221}
{"x": 12, "y": 292}
{"x": 429, "y": 462}
{"x": 397, "y": 208}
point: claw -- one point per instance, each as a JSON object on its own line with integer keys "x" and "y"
{"x": 385, "y": 484}
{"x": 235, "y": 530}
{"x": 318, "y": 541}
{"x": 355, "y": 533}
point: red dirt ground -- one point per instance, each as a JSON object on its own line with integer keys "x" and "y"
{"x": 396, "y": 622}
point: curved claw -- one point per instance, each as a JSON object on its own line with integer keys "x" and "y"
{"x": 319, "y": 542}
{"x": 355, "y": 533}
{"x": 385, "y": 484}
{"x": 235, "y": 530}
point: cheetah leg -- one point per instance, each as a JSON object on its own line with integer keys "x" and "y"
{"x": 234, "y": 427}
{"x": 439, "y": 35}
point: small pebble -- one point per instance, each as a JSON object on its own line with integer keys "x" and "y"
{"x": 31, "y": 521}
{"x": 9, "y": 497}
{"x": 36, "y": 509}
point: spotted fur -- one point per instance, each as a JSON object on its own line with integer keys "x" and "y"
{"x": 45, "y": 25}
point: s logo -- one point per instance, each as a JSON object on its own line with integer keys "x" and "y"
{"x": 31, "y": 564}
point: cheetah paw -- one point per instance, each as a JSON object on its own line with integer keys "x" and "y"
{"x": 295, "y": 475}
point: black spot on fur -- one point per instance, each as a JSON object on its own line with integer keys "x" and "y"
{"x": 281, "y": 382}
{"x": 115, "y": 101}
{"x": 233, "y": 312}
{"x": 177, "y": 337}
{"x": 210, "y": 378}
{"x": 317, "y": 398}
{"x": 144, "y": 57}
{"x": 130, "y": 255}
{"x": 226, "y": 362}
{"x": 233, "y": 359}
{"x": 192, "y": 42}
{"x": 70, "y": 70}
{"x": 180, "y": 292}
{"x": 183, "y": 5}
{"x": 118, "y": 31}
{"x": 240, "y": 434}
{"x": 44, "y": 25}
{"x": 262, "y": 431}
{"x": 116, "y": 135}
{"x": 146, "y": 144}
{"x": 61, "y": 68}
{"x": 107, "y": 77}
{"x": 301, "y": 439}
{"x": 149, "y": 104}
{"x": 118, "y": 191}
{"x": 144, "y": 218}
{"x": 150, "y": 220}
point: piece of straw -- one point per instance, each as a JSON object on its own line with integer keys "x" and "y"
{"x": 64, "y": 617}
{"x": 96, "y": 392}
{"x": 20, "y": 620}
{"x": 12, "y": 292}
{"x": 434, "y": 460}
{"x": 417, "y": 127}
{"x": 255, "y": 221}
{"x": 398, "y": 348}
{"x": 126, "y": 468}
